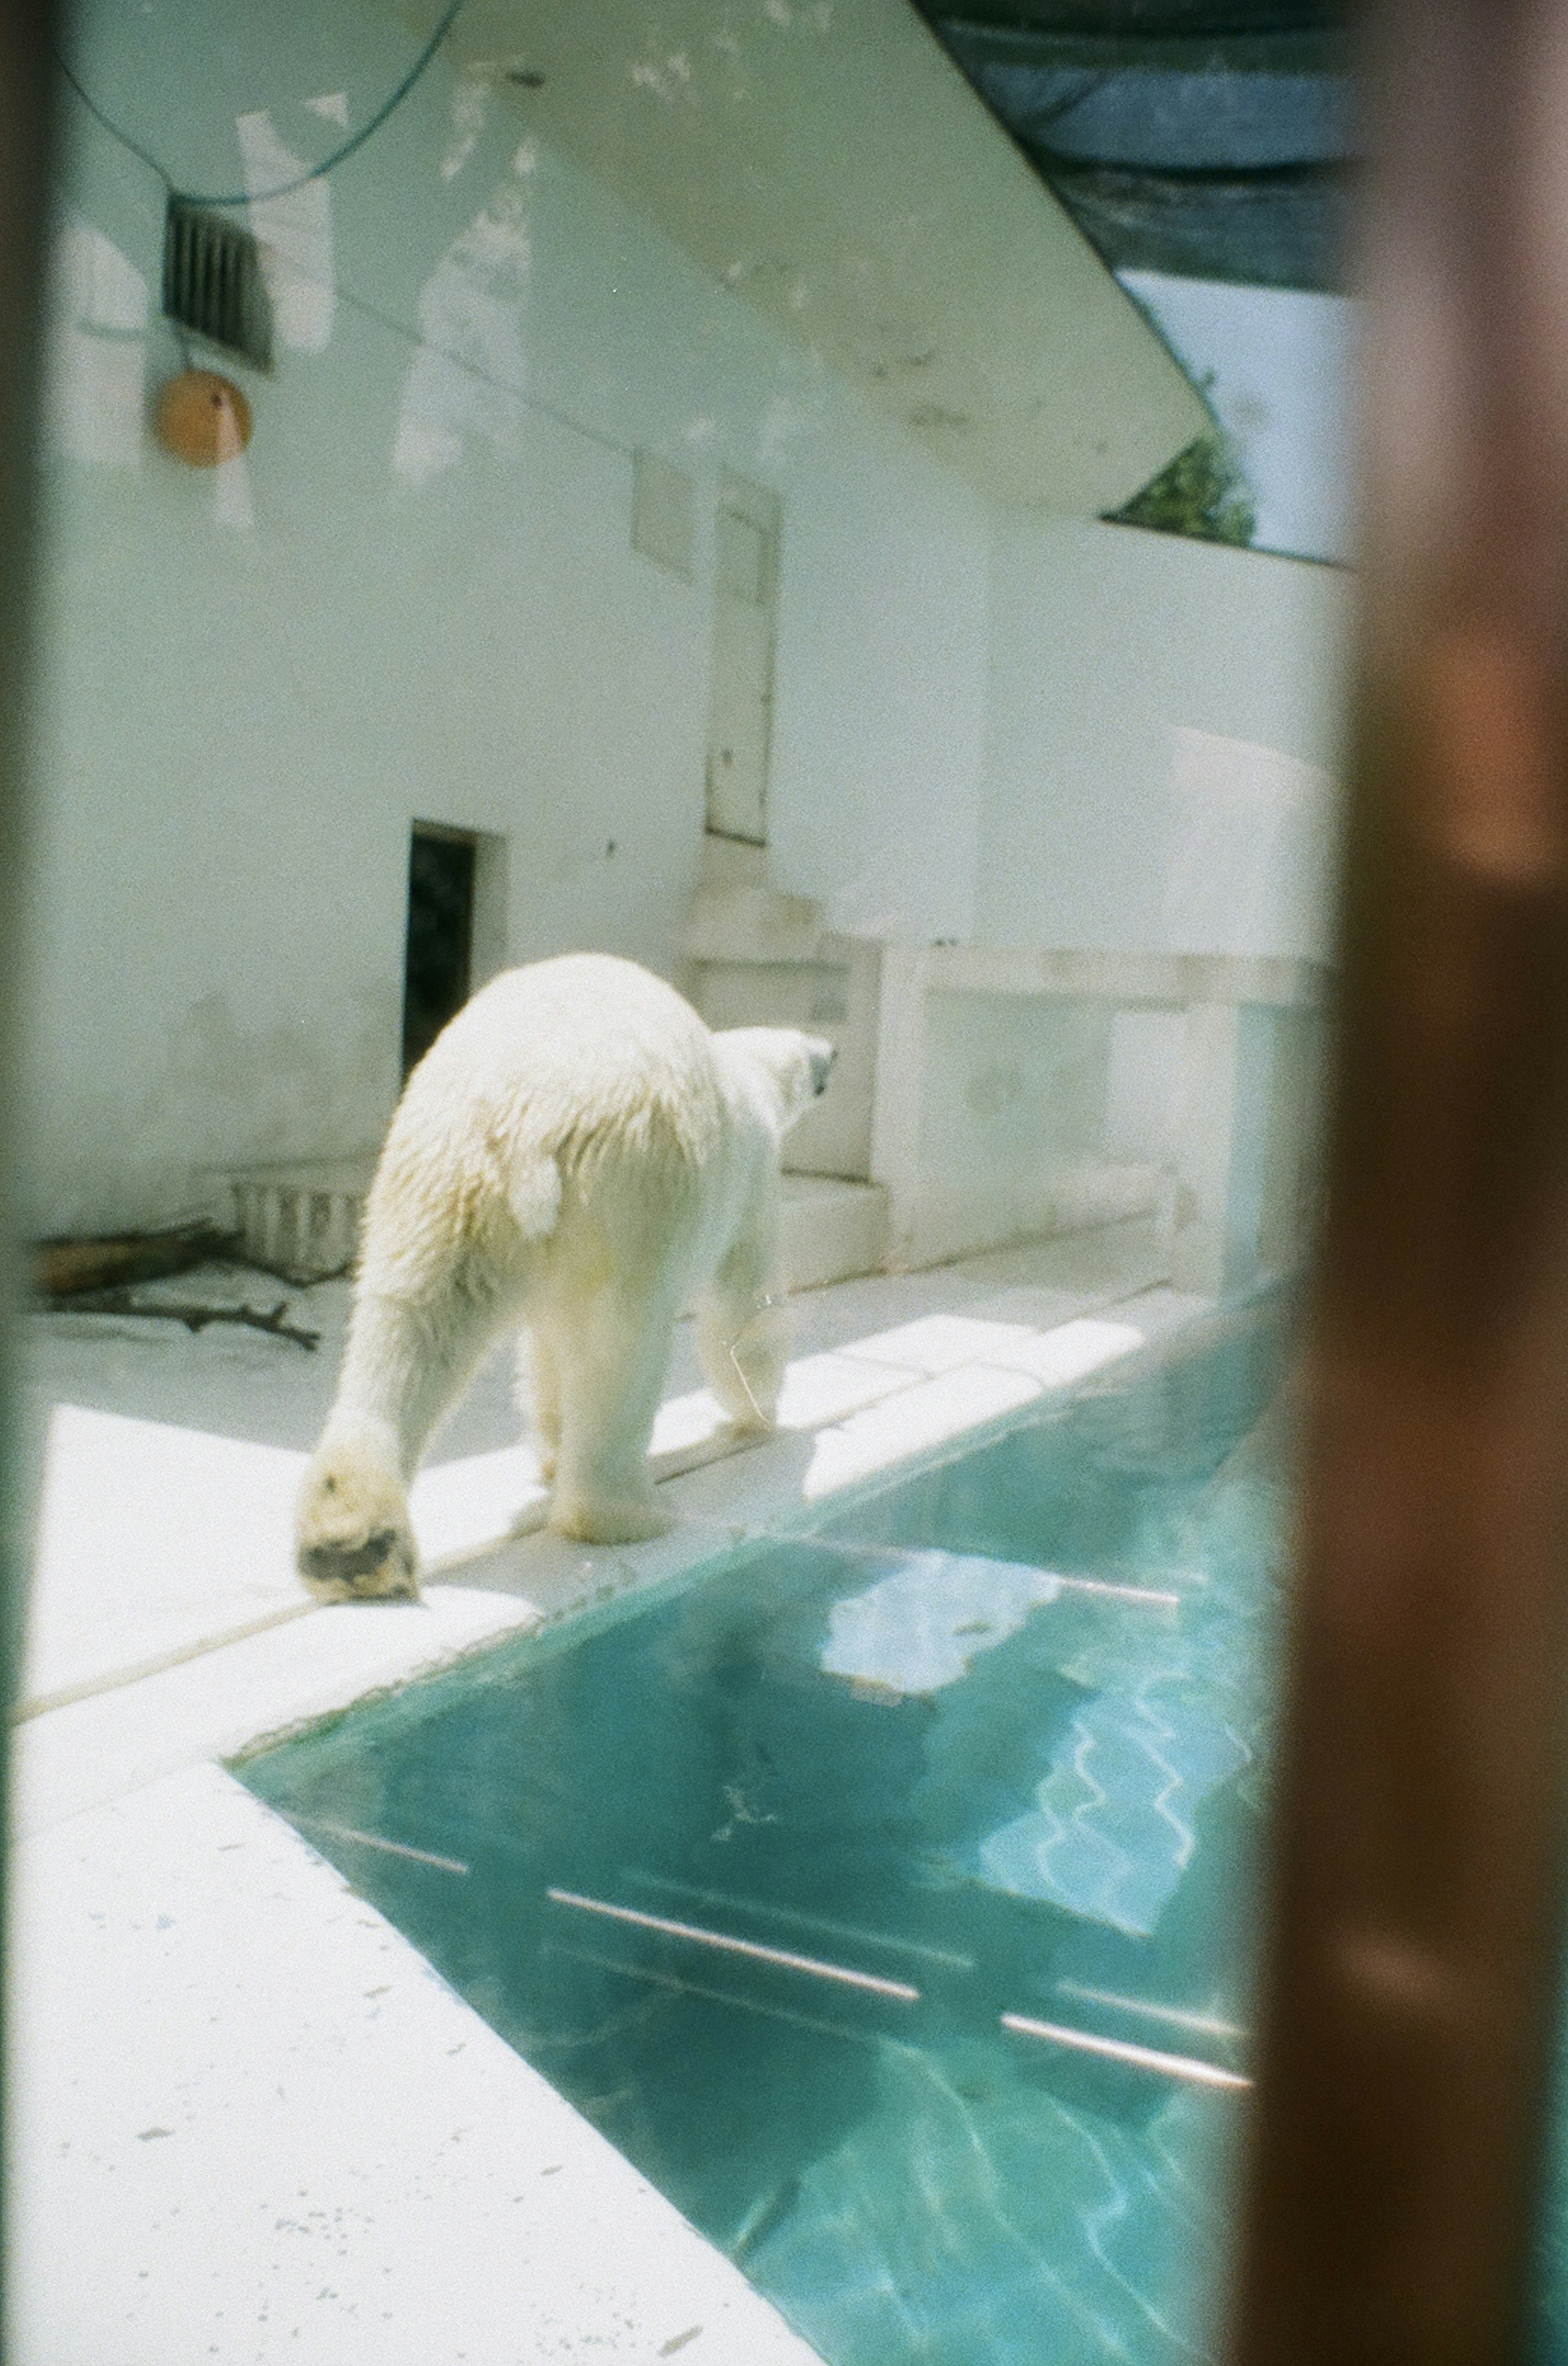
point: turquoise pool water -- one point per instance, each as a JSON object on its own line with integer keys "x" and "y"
{"x": 882, "y": 1892}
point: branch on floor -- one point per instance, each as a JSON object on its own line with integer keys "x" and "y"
{"x": 194, "y": 1316}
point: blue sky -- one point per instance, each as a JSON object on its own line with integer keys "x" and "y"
{"x": 1280, "y": 363}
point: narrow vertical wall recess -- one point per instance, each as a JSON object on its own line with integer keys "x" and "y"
{"x": 746, "y": 574}
{"x": 438, "y": 960}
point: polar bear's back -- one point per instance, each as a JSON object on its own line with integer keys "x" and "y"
{"x": 576, "y": 1045}
{"x": 566, "y": 1077}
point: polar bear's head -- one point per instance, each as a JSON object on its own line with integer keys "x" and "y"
{"x": 795, "y": 1066}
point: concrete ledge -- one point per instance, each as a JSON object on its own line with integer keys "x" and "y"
{"x": 256, "y": 2123}
{"x": 1169, "y": 980}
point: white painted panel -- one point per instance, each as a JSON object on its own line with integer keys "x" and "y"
{"x": 95, "y": 395}
{"x": 1252, "y": 839}
{"x": 294, "y": 233}
{"x": 1143, "y": 1085}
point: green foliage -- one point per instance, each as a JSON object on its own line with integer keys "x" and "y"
{"x": 1202, "y": 493}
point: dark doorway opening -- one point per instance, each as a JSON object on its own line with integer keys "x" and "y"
{"x": 438, "y": 960}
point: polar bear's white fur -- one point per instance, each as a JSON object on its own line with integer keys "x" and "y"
{"x": 577, "y": 1155}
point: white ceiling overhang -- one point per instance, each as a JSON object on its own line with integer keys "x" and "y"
{"x": 827, "y": 161}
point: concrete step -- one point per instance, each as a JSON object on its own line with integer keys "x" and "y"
{"x": 832, "y": 1230}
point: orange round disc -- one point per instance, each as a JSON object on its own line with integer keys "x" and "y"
{"x": 203, "y": 418}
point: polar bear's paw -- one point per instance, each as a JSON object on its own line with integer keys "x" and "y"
{"x": 609, "y": 1519}
{"x": 352, "y": 1539}
{"x": 383, "y": 1567}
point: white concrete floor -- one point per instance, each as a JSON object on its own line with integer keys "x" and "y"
{"x": 248, "y": 2121}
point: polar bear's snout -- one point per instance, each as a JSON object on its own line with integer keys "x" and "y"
{"x": 820, "y": 1055}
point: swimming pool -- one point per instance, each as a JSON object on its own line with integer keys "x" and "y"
{"x": 881, "y": 1891}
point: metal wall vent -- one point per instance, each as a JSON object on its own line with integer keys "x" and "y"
{"x": 212, "y": 281}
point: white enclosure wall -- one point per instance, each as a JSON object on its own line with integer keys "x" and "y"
{"x": 416, "y": 596}
{"x": 1111, "y": 820}
{"x": 1163, "y": 734}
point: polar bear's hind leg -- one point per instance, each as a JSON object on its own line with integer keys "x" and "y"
{"x": 612, "y": 1359}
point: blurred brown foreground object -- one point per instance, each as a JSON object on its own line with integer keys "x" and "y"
{"x": 1411, "y": 1968}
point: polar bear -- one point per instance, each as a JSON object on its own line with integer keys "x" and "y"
{"x": 580, "y": 1155}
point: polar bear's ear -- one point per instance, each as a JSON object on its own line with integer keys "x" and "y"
{"x": 820, "y": 1056}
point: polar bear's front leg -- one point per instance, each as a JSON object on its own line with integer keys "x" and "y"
{"x": 403, "y": 1366}
{"x": 611, "y": 1355}
{"x": 743, "y": 1329}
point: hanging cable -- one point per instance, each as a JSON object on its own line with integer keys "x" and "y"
{"x": 285, "y": 188}
{"x": 481, "y": 376}
{"x": 96, "y": 112}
